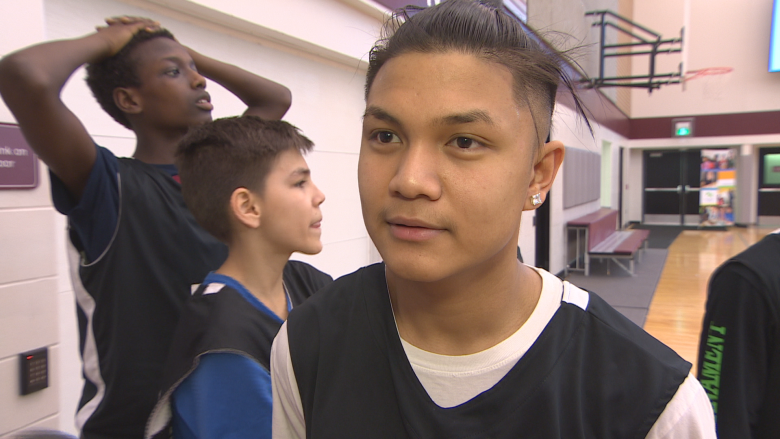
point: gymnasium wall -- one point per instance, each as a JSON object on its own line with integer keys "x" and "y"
{"x": 726, "y": 33}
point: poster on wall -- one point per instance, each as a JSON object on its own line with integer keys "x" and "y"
{"x": 716, "y": 196}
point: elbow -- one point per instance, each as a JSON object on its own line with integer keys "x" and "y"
{"x": 19, "y": 75}
{"x": 284, "y": 102}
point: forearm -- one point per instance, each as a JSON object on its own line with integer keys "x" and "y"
{"x": 43, "y": 69}
{"x": 30, "y": 83}
{"x": 263, "y": 97}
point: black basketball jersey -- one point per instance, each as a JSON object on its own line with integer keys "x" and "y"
{"x": 739, "y": 351}
{"x": 226, "y": 322}
{"x": 590, "y": 374}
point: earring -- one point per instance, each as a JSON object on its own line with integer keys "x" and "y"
{"x": 536, "y": 199}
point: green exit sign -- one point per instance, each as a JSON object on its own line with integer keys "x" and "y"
{"x": 682, "y": 127}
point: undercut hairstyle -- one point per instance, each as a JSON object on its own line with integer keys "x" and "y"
{"x": 480, "y": 29}
{"x": 105, "y": 76}
{"x": 221, "y": 156}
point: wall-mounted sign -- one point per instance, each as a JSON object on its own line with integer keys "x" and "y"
{"x": 682, "y": 127}
{"x": 18, "y": 163}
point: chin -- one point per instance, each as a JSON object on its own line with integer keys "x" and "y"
{"x": 312, "y": 250}
{"x": 417, "y": 269}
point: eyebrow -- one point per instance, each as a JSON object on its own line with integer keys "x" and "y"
{"x": 464, "y": 118}
{"x": 452, "y": 119}
{"x": 301, "y": 171}
{"x": 380, "y": 114}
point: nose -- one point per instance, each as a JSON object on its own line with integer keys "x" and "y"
{"x": 319, "y": 196}
{"x": 417, "y": 175}
{"x": 197, "y": 80}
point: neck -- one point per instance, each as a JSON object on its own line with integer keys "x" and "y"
{"x": 157, "y": 147}
{"x": 259, "y": 270}
{"x": 467, "y": 314}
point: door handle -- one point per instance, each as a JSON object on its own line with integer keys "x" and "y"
{"x": 679, "y": 188}
{"x": 687, "y": 188}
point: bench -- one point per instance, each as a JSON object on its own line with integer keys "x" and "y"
{"x": 598, "y": 236}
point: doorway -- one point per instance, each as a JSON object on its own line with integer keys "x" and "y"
{"x": 769, "y": 186}
{"x": 671, "y": 187}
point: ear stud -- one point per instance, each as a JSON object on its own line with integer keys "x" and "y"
{"x": 536, "y": 199}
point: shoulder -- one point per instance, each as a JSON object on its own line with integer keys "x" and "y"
{"x": 302, "y": 270}
{"x": 332, "y": 298}
{"x": 303, "y": 280}
{"x": 613, "y": 334}
{"x": 350, "y": 298}
{"x": 754, "y": 269}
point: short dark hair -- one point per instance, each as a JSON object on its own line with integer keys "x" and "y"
{"x": 218, "y": 157}
{"x": 480, "y": 29}
{"x": 105, "y": 76}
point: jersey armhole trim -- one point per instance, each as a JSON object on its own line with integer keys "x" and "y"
{"x": 116, "y": 229}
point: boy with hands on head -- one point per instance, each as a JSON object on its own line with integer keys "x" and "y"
{"x": 136, "y": 249}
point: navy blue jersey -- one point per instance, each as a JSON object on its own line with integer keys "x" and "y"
{"x": 130, "y": 284}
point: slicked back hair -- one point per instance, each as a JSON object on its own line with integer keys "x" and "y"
{"x": 480, "y": 29}
{"x": 105, "y": 76}
{"x": 221, "y": 156}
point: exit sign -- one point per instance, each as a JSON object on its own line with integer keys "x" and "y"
{"x": 18, "y": 162}
{"x": 682, "y": 127}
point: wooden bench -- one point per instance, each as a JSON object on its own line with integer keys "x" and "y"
{"x": 598, "y": 236}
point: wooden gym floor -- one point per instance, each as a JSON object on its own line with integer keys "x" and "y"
{"x": 677, "y": 310}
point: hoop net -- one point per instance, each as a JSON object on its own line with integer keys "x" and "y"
{"x": 709, "y": 71}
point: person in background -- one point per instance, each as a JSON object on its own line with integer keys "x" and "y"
{"x": 136, "y": 249}
{"x": 739, "y": 348}
{"x": 247, "y": 183}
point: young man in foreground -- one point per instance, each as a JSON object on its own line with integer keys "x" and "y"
{"x": 452, "y": 336}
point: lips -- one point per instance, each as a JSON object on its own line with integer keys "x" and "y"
{"x": 413, "y": 229}
{"x": 204, "y": 102}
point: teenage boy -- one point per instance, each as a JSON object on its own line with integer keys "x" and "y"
{"x": 139, "y": 249}
{"x": 451, "y": 336}
{"x": 247, "y": 183}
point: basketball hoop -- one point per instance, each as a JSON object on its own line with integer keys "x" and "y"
{"x": 709, "y": 71}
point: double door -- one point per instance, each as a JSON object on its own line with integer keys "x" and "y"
{"x": 671, "y": 187}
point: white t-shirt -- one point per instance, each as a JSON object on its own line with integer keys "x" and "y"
{"x": 453, "y": 380}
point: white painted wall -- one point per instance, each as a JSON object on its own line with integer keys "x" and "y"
{"x": 571, "y": 130}
{"x": 314, "y": 47}
{"x": 724, "y": 33}
{"x": 29, "y": 287}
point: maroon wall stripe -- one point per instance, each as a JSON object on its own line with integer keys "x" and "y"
{"x": 709, "y": 125}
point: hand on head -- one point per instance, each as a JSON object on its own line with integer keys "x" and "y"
{"x": 118, "y": 31}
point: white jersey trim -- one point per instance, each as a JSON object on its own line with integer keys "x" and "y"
{"x": 216, "y": 287}
{"x": 90, "y": 359}
{"x": 575, "y": 296}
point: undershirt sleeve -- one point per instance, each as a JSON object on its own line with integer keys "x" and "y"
{"x": 734, "y": 349}
{"x": 288, "y": 421}
{"x": 92, "y": 219}
{"x": 688, "y": 415}
{"x": 227, "y": 396}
